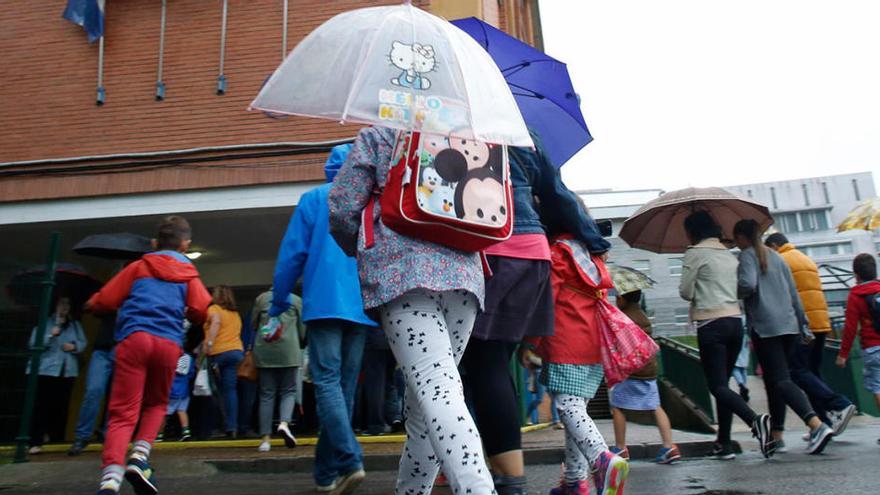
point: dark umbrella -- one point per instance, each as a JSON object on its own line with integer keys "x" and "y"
{"x": 541, "y": 87}
{"x": 71, "y": 281}
{"x": 122, "y": 246}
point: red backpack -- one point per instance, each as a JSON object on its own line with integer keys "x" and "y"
{"x": 450, "y": 191}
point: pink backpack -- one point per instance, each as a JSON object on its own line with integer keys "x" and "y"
{"x": 450, "y": 191}
{"x": 626, "y": 348}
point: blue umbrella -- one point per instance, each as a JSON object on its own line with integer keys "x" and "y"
{"x": 542, "y": 89}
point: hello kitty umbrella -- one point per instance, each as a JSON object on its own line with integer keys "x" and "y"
{"x": 398, "y": 67}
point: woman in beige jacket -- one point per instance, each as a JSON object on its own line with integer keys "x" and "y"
{"x": 709, "y": 282}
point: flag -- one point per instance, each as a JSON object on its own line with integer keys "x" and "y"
{"x": 89, "y": 14}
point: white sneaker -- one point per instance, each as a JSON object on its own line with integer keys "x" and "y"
{"x": 819, "y": 439}
{"x": 36, "y": 449}
{"x": 348, "y": 483}
{"x": 265, "y": 446}
{"x": 840, "y": 419}
{"x": 289, "y": 439}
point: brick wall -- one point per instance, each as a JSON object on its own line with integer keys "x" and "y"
{"x": 48, "y": 94}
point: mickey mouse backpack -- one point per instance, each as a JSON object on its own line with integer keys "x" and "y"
{"x": 450, "y": 191}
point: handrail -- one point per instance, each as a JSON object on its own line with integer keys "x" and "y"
{"x": 685, "y": 349}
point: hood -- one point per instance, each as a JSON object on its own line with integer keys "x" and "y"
{"x": 334, "y": 162}
{"x": 170, "y": 266}
{"x": 867, "y": 288}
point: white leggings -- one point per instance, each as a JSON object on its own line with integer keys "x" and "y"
{"x": 428, "y": 332}
{"x": 583, "y": 442}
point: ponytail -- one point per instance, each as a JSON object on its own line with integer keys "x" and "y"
{"x": 752, "y": 231}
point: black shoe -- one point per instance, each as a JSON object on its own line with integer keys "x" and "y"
{"x": 722, "y": 452}
{"x": 231, "y": 435}
{"x": 396, "y": 426}
{"x": 761, "y": 431}
{"x": 140, "y": 475}
{"x": 77, "y": 447}
{"x": 744, "y": 392}
{"x": 185, "y": 435}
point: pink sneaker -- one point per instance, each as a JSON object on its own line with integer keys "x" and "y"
{"x": 582, "y": 487}
{"x": 609, "y": 474}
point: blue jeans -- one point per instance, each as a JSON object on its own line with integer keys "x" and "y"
{"x": 227, "y": 362}
{"x": 336, "y": 348}
{"x": 97, "y": 380}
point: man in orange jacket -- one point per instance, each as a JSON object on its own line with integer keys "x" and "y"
{"x": 833, "y": 408}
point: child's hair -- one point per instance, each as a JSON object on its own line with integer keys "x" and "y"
{"x": 634, "y": 297}
{"x": 224, "y": 297}
{"x": 865, "y": 267}
{"x": 700, "y": 226}
{"x": 752, "y": 231}
{"x": 173, "y": 231}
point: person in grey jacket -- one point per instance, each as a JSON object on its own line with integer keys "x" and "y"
{"x": 59, "y": 367}
{"x": 777, "y": 323}
{"x": 708, "y": 281}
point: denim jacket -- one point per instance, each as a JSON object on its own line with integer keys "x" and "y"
{"x": 532, "y": 175}
{"x": 55, "y": 361}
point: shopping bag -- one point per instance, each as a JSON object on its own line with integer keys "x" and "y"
{"x": 625, "y": 347}
{"x": 202, "y": 384}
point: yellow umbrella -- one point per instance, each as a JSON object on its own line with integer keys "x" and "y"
{"x": 865, "y": 216}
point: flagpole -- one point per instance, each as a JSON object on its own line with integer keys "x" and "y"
{"x": 284, "y": 32}
{"x": 99, "y": 98}
{"x": 160, "y": 86}
{"x": 221, "y": 79}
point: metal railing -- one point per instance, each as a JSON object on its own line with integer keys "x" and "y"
{"x": 680, "y": 364}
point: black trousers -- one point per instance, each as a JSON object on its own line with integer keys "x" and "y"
{"x": 720, "y": 343}
{"x": 50, "y": 409}
{"x": 775, "y": 355}
{"x": 487, "y": 381}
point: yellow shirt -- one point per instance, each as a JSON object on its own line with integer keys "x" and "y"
{"x": 229, "y": 335}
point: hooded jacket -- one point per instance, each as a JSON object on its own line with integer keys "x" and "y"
{"x": 809, "y": 286}
{"x": 577, "y": 286}
{"x": 154, "y": 295}
{"x": 331, "y": 288}
{"x": 858, "y": 315}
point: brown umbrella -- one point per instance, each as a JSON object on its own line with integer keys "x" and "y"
{"x": 658, "y": 226}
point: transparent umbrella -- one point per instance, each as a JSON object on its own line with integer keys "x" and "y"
{"x": 397, "y": 67}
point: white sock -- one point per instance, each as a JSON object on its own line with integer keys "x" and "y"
{"x": 141, "y": 450}
{"x": 111, "y": 477}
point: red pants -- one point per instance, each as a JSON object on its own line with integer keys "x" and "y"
{"x": 142, "y": 379}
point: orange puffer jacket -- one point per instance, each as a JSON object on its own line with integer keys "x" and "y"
{"x": 809, "y": 286}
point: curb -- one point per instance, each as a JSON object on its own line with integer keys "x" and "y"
{"x": 389, "y": 462}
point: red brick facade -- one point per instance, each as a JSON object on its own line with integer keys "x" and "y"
{"x": 48, "y": 95}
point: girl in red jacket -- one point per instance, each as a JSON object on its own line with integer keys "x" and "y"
{"x": 572, "y": 369}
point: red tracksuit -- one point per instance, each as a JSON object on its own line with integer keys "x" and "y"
{"x": 151, "y": 296}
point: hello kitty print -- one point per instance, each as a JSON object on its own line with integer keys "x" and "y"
{"x": 414, "y": 61}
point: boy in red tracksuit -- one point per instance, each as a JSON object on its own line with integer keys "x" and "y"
{"x": 152, "y": 296}
{"x": 862, "y": 308}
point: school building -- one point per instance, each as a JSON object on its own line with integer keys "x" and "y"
{"x": 110, "y": 136}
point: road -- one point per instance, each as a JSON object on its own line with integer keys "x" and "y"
{"x": 850, "y": 466}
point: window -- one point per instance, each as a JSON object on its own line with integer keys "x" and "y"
{"x": 855, "y": 185}
{"x": 787, "y": 223}
{"x": 773, "y": 198}
{"x": 832, "y": 249}
{"x": 675, "y": 266}
{"x": 825, "y": 193}
{"x": 806, "y": 194}
{"x": 805, "y": 221}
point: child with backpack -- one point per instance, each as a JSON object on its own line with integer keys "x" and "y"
{"x": 863, "y": 318}
{"x": 572, "y": 370}
{"x": 639, "y": 392}
{"x": 152, "y": 296}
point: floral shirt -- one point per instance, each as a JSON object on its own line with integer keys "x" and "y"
{"x": 395, "y": 264}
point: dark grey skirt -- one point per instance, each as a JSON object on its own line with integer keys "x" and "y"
{"x": 519, "y": 301}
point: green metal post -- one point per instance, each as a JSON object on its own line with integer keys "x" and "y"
{"x": 520, "y": 386}
{"x": 37, "y": 352}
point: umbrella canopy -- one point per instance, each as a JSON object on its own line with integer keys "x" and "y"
{"x": 71, "y": 281}
{"x": 628, "y": 279}
{"x": 658, "y": 226}
{"x": 398, "y": 67}
{"x": 865, "y": 216}
{"x": 541, "y": 87}
{"x": 123, "y": 246}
